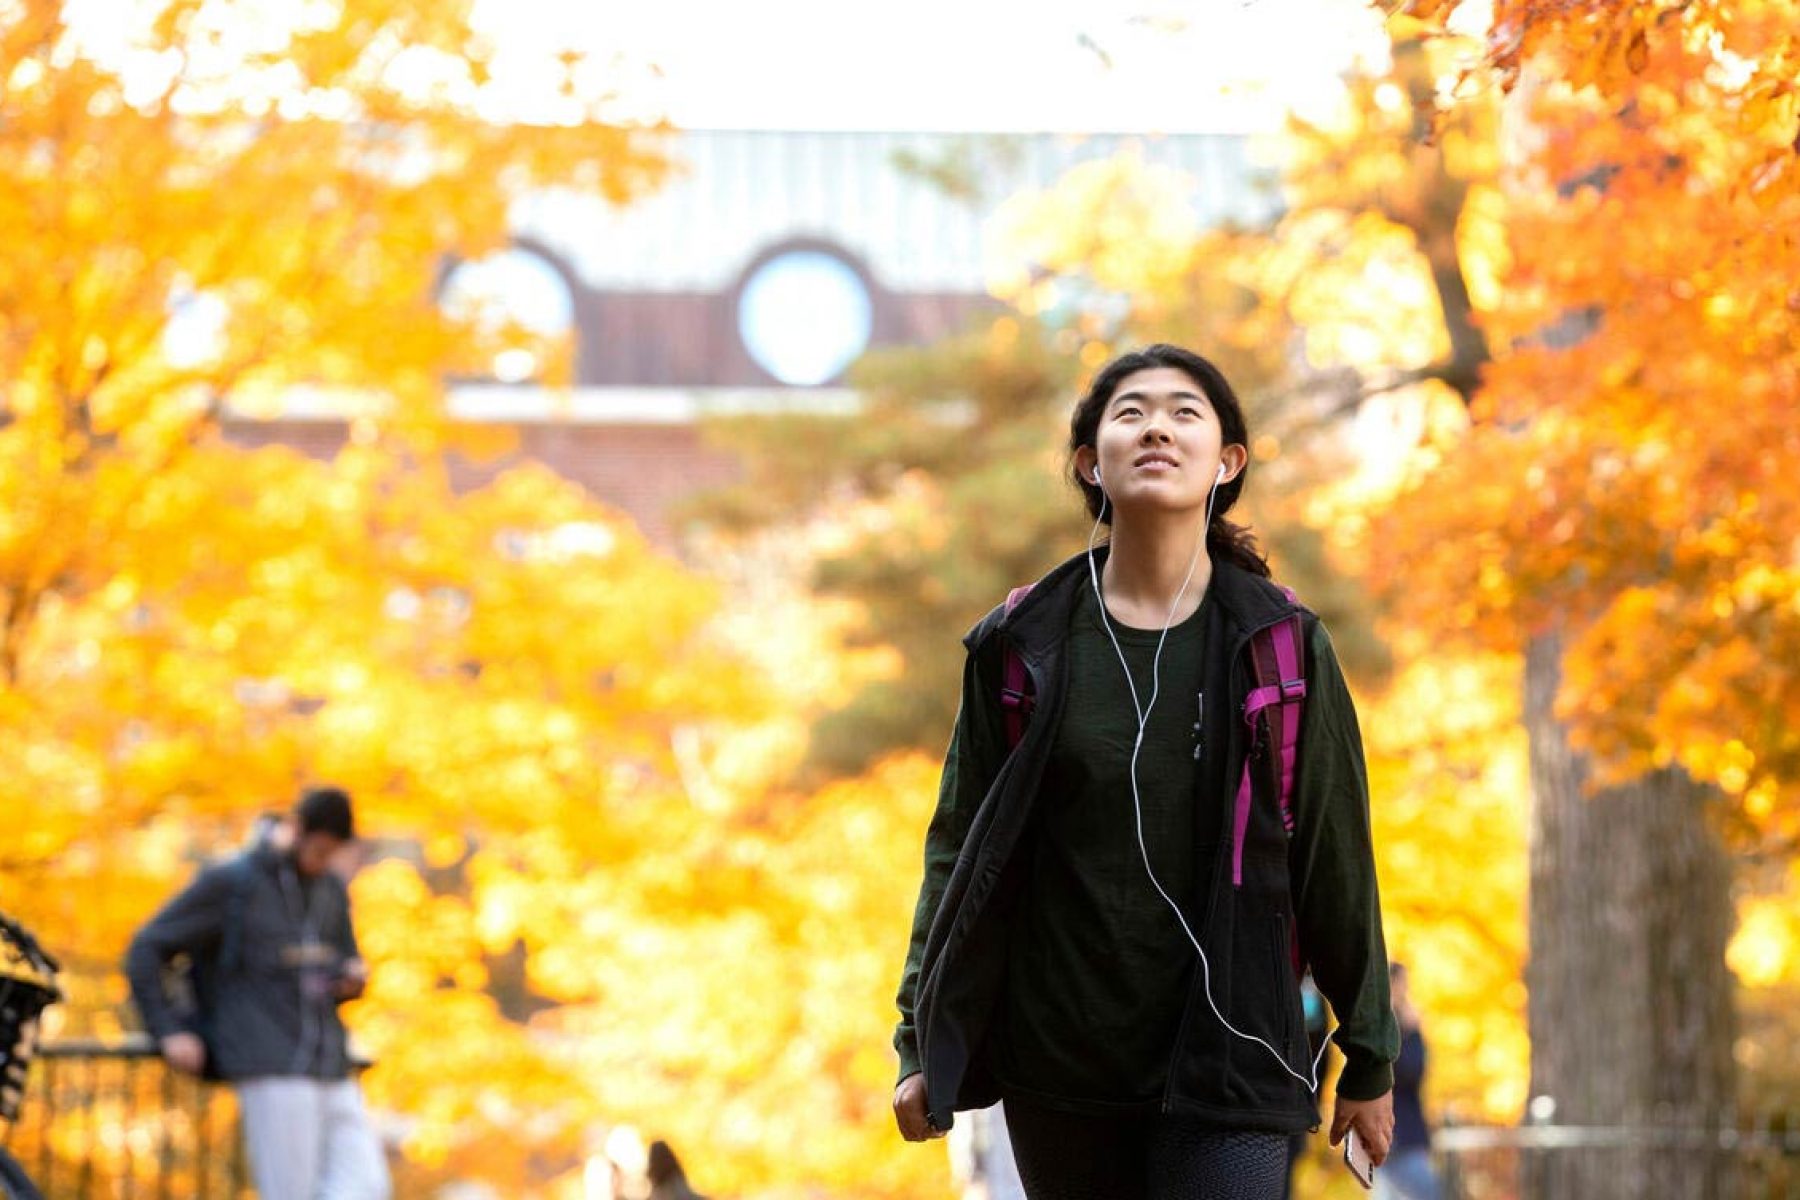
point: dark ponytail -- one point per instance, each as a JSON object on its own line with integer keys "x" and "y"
{"x": 1225, "y": 539}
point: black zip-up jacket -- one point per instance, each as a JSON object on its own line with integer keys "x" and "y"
{"x": 264, "y": 948}
{"x": 1319, "y": 884}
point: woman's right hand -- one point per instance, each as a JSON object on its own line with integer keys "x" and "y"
{"x": 909, "y": 1110}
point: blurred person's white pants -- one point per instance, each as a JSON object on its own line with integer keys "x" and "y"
{"x": 1406, "y": 1175}
{"x": 981, "y": 1156}
{"x": 309, "y": 1139}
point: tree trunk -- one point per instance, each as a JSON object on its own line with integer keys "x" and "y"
{"x": 1630, "y": 1003}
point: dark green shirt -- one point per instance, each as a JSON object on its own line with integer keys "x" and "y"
{"x": 1099, "y": 968}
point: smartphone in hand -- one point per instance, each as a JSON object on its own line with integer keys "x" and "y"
{"x": 1356, "y": 1160}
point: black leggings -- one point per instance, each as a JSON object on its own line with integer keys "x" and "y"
{"x": 1065, "y": 1156}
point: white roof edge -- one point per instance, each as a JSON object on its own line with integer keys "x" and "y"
{"x": 512, "y": 404}
{"x": 959, "y": 134}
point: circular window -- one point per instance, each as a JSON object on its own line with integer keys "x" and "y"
{"x": 804, "y": 316}
{"x": 518, "y": 291}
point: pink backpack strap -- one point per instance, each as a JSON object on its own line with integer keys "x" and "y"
{"x": 1278, "y": 697}
{"x": 1016, "y": 697}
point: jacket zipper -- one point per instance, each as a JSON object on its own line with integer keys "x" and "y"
{"x": 1199, "y": 724}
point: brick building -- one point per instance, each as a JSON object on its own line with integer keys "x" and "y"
{"x": 749, "y": 282}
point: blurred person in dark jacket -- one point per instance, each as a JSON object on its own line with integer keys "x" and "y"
{"x": 271, "y": 955}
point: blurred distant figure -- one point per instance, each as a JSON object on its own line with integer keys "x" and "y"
{"x": 271, "y": 955}
{"x": 1407, "y": 1174}
{"x": 667, "y": 1180}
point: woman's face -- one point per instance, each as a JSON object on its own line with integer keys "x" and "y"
{"x": 1159, "y": 443}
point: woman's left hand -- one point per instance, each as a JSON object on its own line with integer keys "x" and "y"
{"x": 1374, "y": 1122}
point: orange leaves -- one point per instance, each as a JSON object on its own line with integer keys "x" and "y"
{"x": 1122, "y": 225}
{"x": 500, "y": 678}
{"x": 215, "y": 217}
{"x": 1627, "y": 473}
{"x": 726, "y": 982}
{"x": 1596, "y": 39}
{"x": 302, "y": 211}
{"x": 1358, "y": 287}
{"x": 1765, "y": 950}
{"x": 1661, "y": 679}
{"x": 1448, "y": 776}
{"x": 837, "y": 883}
{"x": 1748, "y": 49}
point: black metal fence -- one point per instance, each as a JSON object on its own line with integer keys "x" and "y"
{"x": 109, "y": 1121}
{"x": 1738, "y": 1157}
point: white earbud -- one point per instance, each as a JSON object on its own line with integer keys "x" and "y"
{"x": 1096, "y": 474}
{"x": 1220, "y": 478}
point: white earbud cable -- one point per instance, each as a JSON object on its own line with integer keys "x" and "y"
{"x": 1143, "y": 716}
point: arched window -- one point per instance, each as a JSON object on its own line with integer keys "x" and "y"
{"x": 521, "y": 311}
{"x": 804, "y": 315}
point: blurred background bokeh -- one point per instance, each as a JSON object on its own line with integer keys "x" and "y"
{"x": 584, "y": 436}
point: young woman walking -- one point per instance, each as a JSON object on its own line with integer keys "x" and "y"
{"x": 1119, "y": 894}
